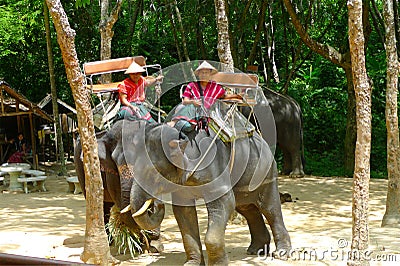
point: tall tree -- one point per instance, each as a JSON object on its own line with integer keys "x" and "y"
{"x": 54, "y": 97}
{"x": 181, "y": 29}
{"x": 223, "y": 47}
{"x": 392, "y": 214}
{"x": 96, "y": 249}
{"x": 177, "y": 26}
{"x": 362, "y": 88}
{"x": 259, "y": 28}
{"x": 270, "y": 68}
{"x": 344, "y": 61}
{"x": 134, "y": 11}
{"x": 107, "y": 21}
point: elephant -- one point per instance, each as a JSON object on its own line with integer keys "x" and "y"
{"x": 289, "y": 128}
{"x": 160, "y": 161}
{"x": 116, "y": 184}
{"x": 288, "y": 119}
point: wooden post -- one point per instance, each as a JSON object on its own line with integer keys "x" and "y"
{"x": 18, "y": 118}
{"x": 2, "y": 100}
{"x": 33, "y": 141}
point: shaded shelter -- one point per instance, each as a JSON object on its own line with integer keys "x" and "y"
{"x": 68, "y": 121}
{"x": 18, "y": 114}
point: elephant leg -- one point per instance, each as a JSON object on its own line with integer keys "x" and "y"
{"x": 297, "y": 164}
{"x": 107, "y": 210}
{"x": 287, "y": 161}
{"x": 270, "y": 205}
{"x": 219, "y": 212}
{"x": 186, "y": 217}
{"x": 260, "y": 237}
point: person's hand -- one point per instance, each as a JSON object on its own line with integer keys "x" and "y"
{"x": 160, "y": 78}
{"x": 134, "y": 109}
{"x": 196, "y": 102}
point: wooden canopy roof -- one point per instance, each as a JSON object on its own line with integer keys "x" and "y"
{"x": 14, "y": 104}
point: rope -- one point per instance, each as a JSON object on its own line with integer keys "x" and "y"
{"x": 233, "y": 146}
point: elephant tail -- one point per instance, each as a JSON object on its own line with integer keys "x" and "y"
{"x": 303, "y": 159}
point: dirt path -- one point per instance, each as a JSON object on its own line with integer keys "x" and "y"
{"x": 51, "y": 225}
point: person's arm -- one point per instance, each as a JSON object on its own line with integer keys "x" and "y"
{"x": 125, "y": 102}
{"x": 149, "y": 81}
{"x": 195, "y": 102}
{"x": 24, "y": 148}
{"x": 188, "y": 96}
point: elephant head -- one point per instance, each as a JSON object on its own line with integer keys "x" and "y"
{"x": 154, "y": 162}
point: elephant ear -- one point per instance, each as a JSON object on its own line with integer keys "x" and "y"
{"x": 263, "y": 166}
{"x": 177, "y": 148}
{"x": 178, "y": 143}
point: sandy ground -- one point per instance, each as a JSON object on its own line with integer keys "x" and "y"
{"x": 52, "y": 225}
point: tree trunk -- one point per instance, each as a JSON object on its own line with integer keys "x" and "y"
{"x": 60, "y": 146}
{"x": 362, "y": 88}
{"x": 392, "y": 214}
{"x": 133, "y": 19}
{"x": 237, "y": 40}
{"x": 182, "y": 30}
{"x": 223, "y": 47}
{"x": 396, "y": 24}
{"x": 343, "y": 60}
{"x": 271, "y": 43}
{"x": 260, "y": 25}
{"x": 174, "y": 31}
{"x": 106, "y": 24}
{"x": 96, "y": 249}
{"x": 351, "y": 124}
{"x": 201, "y": 50}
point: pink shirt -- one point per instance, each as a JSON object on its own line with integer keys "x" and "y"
{"x": 134, "y": 92}
{"x": 212, "y": 92}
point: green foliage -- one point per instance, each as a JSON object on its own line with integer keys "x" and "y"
{"x": 122, "y": 237}
{"x": 11, "y": 31}
{"x": 319, "y": 86}
{"x": 82, "y": 3}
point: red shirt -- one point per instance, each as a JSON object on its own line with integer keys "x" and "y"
{"x": 212, "y": 92}
{"x": 134, "y": 92}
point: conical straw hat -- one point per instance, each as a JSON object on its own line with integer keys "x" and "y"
{"x": 206, "y": 65}
{"x": 134, "y": 68}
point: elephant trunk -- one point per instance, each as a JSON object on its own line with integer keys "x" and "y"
{"x": 151, "y": 217}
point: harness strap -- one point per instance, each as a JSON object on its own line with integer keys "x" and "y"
{"x": 229, "y": 113}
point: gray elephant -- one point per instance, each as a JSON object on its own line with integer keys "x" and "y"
{"x": 289, "y": 130}
{"x": 117, "y": 185}
{"x": 242, "y": 178}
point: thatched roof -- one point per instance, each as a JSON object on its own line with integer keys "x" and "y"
{"x": 13, "y": 103}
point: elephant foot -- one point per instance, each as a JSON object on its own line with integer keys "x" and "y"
{"x": 258, "y": 250}
{"x": 281, "y": 254}
{"x": 282, "y": 251}
{"x": 286, "y": 171}
{"x": 220, "y": 261}
{"x": 154, "y": 234}
{"x": 296, "y": 174}
{"x": 156, "y": 247}
{"x": 113, "y": 261}
{"x": 194, "y": 262}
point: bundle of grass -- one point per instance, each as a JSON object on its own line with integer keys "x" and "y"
{"x": 135, "y": 242}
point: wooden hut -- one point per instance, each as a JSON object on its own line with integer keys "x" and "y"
{"x": 18, "y": 114}
{"x": 69, "y": 125}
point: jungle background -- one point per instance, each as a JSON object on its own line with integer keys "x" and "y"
{"x": 167, "y": 32}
